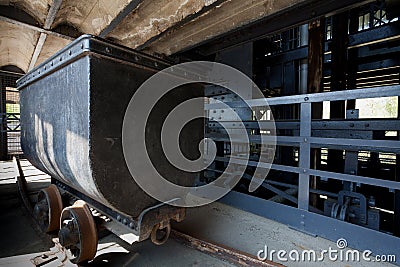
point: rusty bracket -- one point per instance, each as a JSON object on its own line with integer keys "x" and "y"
{"x": 44, "y": 258}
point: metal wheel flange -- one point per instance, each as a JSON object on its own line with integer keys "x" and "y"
{"x": 47, "y": 210}
{"x": 78, "y": 232}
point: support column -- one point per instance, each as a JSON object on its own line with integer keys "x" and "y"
{"x": 316, "y": 43}
{"x": 338, "y": 80}
{"x": 288, "y": 111}
{"x": 352, "y": 58}
{"x": 339, "y": 62}
{"x": 241, "y": 58}
{"x": 304, "y": 157}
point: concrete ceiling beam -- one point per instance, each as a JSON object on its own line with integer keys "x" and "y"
{"x": 51, "y": 15}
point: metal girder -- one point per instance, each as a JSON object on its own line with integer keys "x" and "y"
{"x": 287, "y": 196}
{"x": 332, "y": 175}
{"x": 379, "y": 64}
{"x": 374, "y": 35}
{"x": 357, "y": 237}
{"x": 382, "y": 91}
{"x": 295, "y": 15}
{"x": 389, "y": 146}
{"x": 291, "y": 55}
{"x": 121, "y": 15}
{"x": 280, "y": 193}
{"x": 362, "y": 124}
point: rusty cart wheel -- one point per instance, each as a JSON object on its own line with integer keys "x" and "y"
{"x": 78, "y": 233}
{"x": 47, "y": 210}
{"x": 160, "y": 235}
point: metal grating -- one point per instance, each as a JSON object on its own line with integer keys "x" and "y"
{"x": 10, "y": 114}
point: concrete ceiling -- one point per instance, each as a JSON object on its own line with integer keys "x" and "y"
{"x": 16, "y": 45}
{"x": 155, "y": 26}
{"x": 38, "y": 9}
{"x": 89, "y": 16}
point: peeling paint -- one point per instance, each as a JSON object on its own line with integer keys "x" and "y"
{"x": 233, "y": 14}
{"x": 154, "y": 17}
{"x": 90, "y": 16}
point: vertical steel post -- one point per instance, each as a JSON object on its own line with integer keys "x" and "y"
{"x": 316, "y": 45}
{"x": 304, "y": 157}
{"x": 352, "y": 55}
{"x": 338, "y": 80}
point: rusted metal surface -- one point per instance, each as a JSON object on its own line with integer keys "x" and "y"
{"x": 44, "y": 258}
{"x": 56, "y": 253}
{"x": 158, "y": 217}
{"x": 122, "y": 224}
{"x": 84, "y": 246}
{"x": 231, "y": 255}
{"x": 21, "y": 183}
{"x": 48, "y": 209}
{"x": 164, "y": 230}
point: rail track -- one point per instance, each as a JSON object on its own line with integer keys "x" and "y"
{"x": 61, "y": 254}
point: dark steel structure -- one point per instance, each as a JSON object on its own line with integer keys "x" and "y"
{"x": 336, "y": 171}
{"x": 72, "y": 111}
